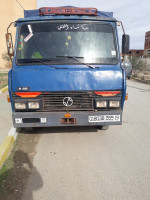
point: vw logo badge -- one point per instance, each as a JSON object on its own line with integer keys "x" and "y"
{"x": 67, "y": 101}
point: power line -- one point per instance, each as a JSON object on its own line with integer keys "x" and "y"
{"x": 20, "y": 5}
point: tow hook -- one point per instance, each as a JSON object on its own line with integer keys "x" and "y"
{"x": 68, "y": 120}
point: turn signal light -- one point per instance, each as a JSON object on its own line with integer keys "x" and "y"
{"x": 8, "y": 98}
{"x": 28, "y": 94}
{"x": 126, "y": 97}
{"x": 107, "y": 93}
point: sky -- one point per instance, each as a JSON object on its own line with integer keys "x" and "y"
{"x": 134, "y": 14}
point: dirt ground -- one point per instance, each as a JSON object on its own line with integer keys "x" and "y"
{"x": 13, "y": 185}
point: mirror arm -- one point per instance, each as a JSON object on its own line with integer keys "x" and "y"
{"x": 9, "y": 26}
{"x": 122, "y": 27}
{"x": 124, "y": 35}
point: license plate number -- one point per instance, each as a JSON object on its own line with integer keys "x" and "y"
{"x": 104, "y": 118}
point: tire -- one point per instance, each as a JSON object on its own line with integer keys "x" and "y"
{"x": 26, "y": 130}
{"x": 103, "y": 127}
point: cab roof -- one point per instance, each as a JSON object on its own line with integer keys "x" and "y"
{"x": 66, "y": 12}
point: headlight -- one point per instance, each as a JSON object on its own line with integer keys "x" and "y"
{"x": 114, "y": 104}
{"x": 20, "y": 106}
{"x": 33, "y": 105}
{"x": 101, "y": 104}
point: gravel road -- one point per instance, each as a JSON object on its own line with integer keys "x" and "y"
{"x": 84, "y": 163}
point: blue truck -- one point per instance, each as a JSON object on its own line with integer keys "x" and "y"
{"x": 66, "y": 68}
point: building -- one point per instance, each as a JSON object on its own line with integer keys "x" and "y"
{"x": 147, "y": 45}
{"x": 136, "y": 52}
{"x": 10, "y": 10}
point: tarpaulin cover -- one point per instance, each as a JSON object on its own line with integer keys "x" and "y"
{"x": 35, "y": 13}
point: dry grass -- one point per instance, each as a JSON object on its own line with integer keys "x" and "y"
{"x": 3, "y": 80}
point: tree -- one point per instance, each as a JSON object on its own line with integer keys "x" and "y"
{"x": 138, "y": 63}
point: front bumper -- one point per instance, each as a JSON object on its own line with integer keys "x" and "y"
{"x": 54, "y": 119}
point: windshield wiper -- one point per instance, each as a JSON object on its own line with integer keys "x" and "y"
{"x": 44, "y": 61}
{"x": 76, "y": 58}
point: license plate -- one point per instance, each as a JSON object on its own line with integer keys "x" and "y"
{"x": 104, "y": 118}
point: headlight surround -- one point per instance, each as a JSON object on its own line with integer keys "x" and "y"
{"x": 27, "y": 104}
{"x": 114, "y": 104}
{"x": 20, "y": 106}
{"x": 101, "y": 104}
{"x": 33, "y": 105}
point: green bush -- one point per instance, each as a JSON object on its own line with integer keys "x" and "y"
{"x": 7, "y": 60}
{"x": 138, "y": 63}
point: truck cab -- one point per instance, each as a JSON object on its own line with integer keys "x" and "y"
{"x": 66, "y": 69}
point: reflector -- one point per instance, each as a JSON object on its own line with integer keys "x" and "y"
{"x": 67, "y": 115}
{"x": 126, "y": 98}
{"x": 8, "y": 98}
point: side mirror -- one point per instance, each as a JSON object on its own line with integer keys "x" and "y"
{"x": 125, "y": 44}
{"x": 9, "y": 44}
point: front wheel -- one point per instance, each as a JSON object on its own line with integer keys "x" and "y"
{"x": 103, "y": 127}
{"x": 26, "y": 130}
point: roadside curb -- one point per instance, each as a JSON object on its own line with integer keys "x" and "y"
{"x": 7, "y": 145}
{"x": 3, "y": 89}
{"x": 139, "y": 80}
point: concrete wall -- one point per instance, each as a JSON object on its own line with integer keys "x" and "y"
{"x": 10, "y": 11}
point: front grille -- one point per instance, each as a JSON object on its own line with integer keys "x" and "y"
{"x": 53, "y": 101}
{"x": 82, "y": 101}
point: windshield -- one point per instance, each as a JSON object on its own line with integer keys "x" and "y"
{"x": 54, "y": 42}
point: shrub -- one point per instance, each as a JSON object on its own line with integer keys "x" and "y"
{"x": 6, "y": 58}
{"x": 138, "y": 63}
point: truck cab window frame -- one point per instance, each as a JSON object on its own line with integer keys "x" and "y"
{"x": 82, "y": 43}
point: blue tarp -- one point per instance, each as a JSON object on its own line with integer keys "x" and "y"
{"x": 31, "y": 13}
{"x": 35, "y": 13}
